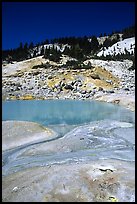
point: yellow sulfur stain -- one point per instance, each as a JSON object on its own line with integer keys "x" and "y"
{"x": 27, "y": 97}
{"x": 113, "y": 199}
{"x": 13, "y": 98}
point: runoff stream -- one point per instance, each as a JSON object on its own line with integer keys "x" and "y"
{"x": 84, "y": 131}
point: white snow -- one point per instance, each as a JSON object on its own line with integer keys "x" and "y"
{"x": 59, "y": 47}
{"x": 119, "y": 47}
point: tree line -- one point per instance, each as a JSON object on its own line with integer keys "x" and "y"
{"x": 79, "y": 47}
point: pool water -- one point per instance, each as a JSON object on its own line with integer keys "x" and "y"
{"x": 65, "y": 112}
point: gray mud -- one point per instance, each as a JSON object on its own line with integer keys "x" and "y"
{"x": 93, "y": 162}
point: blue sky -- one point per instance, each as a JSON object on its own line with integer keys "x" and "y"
{"x": 37, "y": 21}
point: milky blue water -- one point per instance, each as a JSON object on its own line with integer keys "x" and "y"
{"x": 70, "y": 112}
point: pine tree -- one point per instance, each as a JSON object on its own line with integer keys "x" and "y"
{"x": 21, "y": 46}
{"x": 47, "y": 53}
{"x": 42, "y": 50}
{"x": 34, "y": 53}
{"x": 118, "y": 37}
{"x": 31, "y": 45}
{"x": 26, "y": 46}
{"x": 94, "y": 44}
{"x": 46, "y": 41}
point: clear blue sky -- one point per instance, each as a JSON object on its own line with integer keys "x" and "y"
{"x": 37, "y": 21}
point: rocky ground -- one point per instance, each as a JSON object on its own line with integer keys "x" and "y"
{"x": 40, "y": 79}
{"x": 91, "y": 163}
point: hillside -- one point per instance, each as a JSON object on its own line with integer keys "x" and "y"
{"x": 72, "y": 70}
{"x": 81, "y": 48}
{"x": 121, "y": 47}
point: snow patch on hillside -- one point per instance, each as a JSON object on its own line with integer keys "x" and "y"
{"x": 56, "y": 46}
{"x": 119, "y": 48}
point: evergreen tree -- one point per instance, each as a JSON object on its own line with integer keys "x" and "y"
{"x": 31, "y": 45}
{"x": 108, "y": 42}
{"x": 21, "y": 46}
{"x": 26, "y": 46}
{"x": 66, "y": 51}
{"x": 118, "y": 37}
{"x": 128, "y": 32}
{"x": 94, "y": 44}
{"x": 42, "y": 50}
{"x": 47, "y": 53}
{"x": 46, "y": 41}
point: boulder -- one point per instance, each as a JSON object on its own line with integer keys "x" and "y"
{"x": 68, "y": 86}
{"x": 95, "y": 76}
{"x": 109, "y": 81}
{"x": 50, "y": 77}
{"x": 100, "y": 89}
{"x": 83, "y": 92}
